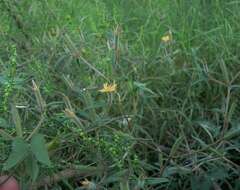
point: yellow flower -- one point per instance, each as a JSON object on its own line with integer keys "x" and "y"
{"x": 108, "y": 88}
{"x": 167, "y": 38}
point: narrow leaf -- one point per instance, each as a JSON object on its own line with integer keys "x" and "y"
{"x": 155, "y": 181}
{"x": 176, "y": 145}
{"x": 32, "y": 167}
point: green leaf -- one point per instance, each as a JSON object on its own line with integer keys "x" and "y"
{"x": 20, "y": 150}
{"x": 32, "y": 167}
{"x": 143, "y": 87}
{"x": 156, "y": 180}
{"x": 207, "y": 129}
{"x": 39, "y": 149}
{"x": 170, "y": 171}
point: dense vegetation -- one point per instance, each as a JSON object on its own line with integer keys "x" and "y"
{"x": 167, "y": 116}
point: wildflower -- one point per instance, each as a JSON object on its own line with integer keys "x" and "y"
{"x": 107, "y": 88}
{"x": 167, "y": 38}
{"x": 85, "y": 183}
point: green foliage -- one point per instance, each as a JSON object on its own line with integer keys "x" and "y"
{"x": 19, "y": 152}
{"x": 26, "y": 154}
{"x": 173, "y": 121}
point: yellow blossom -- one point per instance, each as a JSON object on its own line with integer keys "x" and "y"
{"x": 108, "y": 88}
{"x": 167, "y": 38}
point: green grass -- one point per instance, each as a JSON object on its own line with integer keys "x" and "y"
{"x": 173, "y": 122}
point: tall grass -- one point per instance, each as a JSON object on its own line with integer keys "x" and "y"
{"x": 173, "y": 121}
